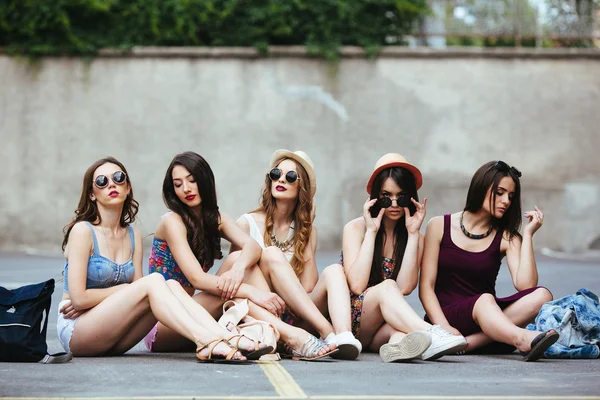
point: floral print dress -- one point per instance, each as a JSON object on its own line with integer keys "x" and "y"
{"x": 356, "y": 301}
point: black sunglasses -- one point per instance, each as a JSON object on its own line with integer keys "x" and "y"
{"x": 290, "y": 177}
{"x": 403, "y": 200}
{"x": 118, "y": 178}
{"x": 502, "y": 166}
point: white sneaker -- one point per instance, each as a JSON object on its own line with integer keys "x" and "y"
{"x": 410, "y": 347}
{"x": 442, "y": 343}
{"x": 348, "y": 346}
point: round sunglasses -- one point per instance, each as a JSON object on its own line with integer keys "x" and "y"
{"x": 102, "y": 181}
{"x": 290, "y": 177}
{"x": 502, "y": 166}
{"x": 403, "y": 200}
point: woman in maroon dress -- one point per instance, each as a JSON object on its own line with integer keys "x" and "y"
{"x": 461, "y": 260}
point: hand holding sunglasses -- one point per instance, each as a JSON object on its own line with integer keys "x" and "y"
{"x": 413, "y": 222}
{"x": 290, "y": 177}
{"x": 102, "y": 181}
{"x": 372, "y": 219}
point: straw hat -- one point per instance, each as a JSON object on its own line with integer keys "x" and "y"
{"x": 394, "y": 160}
{"x": 303, "y": 159}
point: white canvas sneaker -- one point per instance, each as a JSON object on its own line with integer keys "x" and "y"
{"x": 442, "y": 343}
{"x": 348, "y": 346}
{"x": 412, "y": 346}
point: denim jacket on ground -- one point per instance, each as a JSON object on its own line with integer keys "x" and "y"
{"x": 577, "y": 319}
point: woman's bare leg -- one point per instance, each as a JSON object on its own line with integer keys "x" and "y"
{"x": 386, "y": 334}
{"x": 203, "y": 318}
{"x": 282, "y": 278}
{"x": 385, "y": 303}
{"x": 332, "y": 297}
{"x": 138, "y": 331}
{"x": 169, "y": 341}
{"x": 520, "y": 313}
{"x": 100, "y": 329}
{"x": 204, "y": 307}
{"x": 497, "y": 325}
{"x": 292, "y": 336}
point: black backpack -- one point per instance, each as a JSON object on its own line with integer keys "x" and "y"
{"x": 22, "y": 336}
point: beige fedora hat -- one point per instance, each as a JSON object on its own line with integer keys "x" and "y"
{"x": 303, "y": 159}
{"x": 394, "y": 160}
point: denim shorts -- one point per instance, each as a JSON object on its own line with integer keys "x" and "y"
{"x": 64, "y": 328}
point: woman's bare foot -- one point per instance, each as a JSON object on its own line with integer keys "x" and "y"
{"x": 300, "y": 337}
{"x": 246, "y": 344}
{"x": 221, "y": 350}
{"x": 523, "y": 343}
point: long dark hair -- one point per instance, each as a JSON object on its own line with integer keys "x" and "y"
{"x": 87, "y": 210}
{"x": 488, "y": 177}
{"x": 301, "y": 214}
{"x": 202, "y": 233}
{"x": 406, "y": 181}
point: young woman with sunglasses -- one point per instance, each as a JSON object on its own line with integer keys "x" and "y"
{"x": 463, "y": 253}
{"x": 186, "y": 243}
{"x": 283, "y": 227}
{"x": 107, "y": 305}
{"x": 381, "y": 256}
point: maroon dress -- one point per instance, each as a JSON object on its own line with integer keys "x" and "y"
{"x": 463, "y": 276}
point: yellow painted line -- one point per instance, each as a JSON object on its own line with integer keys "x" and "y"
{"x": 282, "y": 381}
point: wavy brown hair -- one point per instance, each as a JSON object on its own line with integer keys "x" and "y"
{"x": 203, "y": 234}
{"x": 301, "y": 214}
{"x": 87, "y": 210}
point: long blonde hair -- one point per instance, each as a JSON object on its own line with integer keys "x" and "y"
{"x": 301, "y": 214}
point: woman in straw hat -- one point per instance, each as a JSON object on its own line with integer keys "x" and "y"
{"x": 463, "y": 253}
{"x": 381, "y": 256}
{"x": 185, "y": 245}
{"x": 283, "y": 226}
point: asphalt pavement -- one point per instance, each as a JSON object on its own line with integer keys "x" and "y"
{"x": 143, "y": 375}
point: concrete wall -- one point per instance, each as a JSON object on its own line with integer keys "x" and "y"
{"x": 448, "y": 115}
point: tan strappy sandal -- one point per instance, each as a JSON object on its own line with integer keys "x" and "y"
{"x": 251, "y": 354}
{"x": 228, "y": 359}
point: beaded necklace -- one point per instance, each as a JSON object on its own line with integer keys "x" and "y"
{"x": 469, "y": 234}
{"x": 286, "y": 244}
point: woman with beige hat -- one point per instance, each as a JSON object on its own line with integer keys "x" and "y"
{"x": 381, "y": 256}
{"x": 283, "y": 226}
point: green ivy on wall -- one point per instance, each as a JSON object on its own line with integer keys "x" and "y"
{"x": 47, "y": 27}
